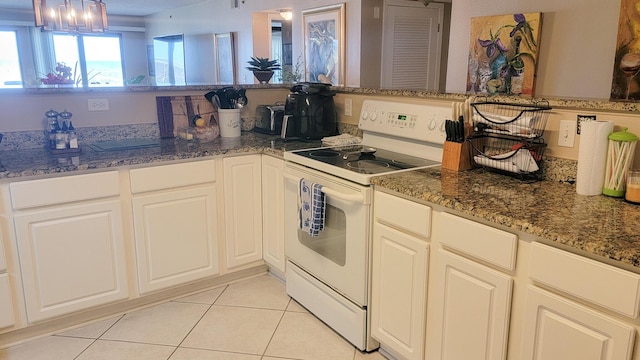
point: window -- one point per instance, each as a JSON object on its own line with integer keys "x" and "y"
{"x": 95, "y": 61}
{"x": 10, "y": 74}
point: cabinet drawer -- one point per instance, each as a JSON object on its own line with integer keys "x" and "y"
{"x": 483, "y": 242}
{"x": 170, "y": 176}
{"x": 586, "y": 279}
{"x": 404, "y": 214}
{"x": 33, "y": 193}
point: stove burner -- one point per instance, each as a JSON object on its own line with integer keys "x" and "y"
{"x": 324, "y": 154}
{"x": 368, "y": 166}
{"x": 409, "y": 162}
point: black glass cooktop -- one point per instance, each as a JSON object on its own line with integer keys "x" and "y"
{"x": 364, "y": 159}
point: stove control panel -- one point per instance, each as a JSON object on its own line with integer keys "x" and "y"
{"x": 423, "y": 122}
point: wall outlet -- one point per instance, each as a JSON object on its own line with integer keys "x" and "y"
{"x": 98, "y": 104}
{"x": 348, "y": 107}
{"x": 567, "y": 133}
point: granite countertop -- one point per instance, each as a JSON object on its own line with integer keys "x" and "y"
{"x": 605, "y": 227}
{"x": 602, "y": 226}
{"x": 39, "y": 162}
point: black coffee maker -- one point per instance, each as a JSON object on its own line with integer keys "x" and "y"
{"x": 309, "y": 112}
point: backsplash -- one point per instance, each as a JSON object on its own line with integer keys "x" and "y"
{"x": 20, "y": 140}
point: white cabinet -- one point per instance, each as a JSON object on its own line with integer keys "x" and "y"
{"x": 6, "y": 308}
{"x": 399, "y": 275}
{"x": 556, "y": 328}
{"x": 175, "y": 224}
{"x": 243, "y": 209}
{"x": 472, "y": 304}
{"x": 398, "y": 291}
{"x": 71, "y": 257}
{"x": 273, "y": 213}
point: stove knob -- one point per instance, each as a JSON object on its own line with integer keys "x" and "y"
{"x": 432, "y": 124}
{"x": 364, "y": 115}
{"x": 374, "y": 116}
{"x": 442, "y": 129}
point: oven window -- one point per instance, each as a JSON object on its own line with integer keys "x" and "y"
{"x": 332, "y": 241}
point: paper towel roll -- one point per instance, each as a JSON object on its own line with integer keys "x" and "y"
{"x": 592, "y": 156}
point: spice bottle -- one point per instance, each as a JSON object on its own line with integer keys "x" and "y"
{"x": 73, "y": 136}
{"x": 52, "y": 124}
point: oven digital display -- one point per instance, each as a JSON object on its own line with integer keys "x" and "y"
{"x": 402, "y": 117}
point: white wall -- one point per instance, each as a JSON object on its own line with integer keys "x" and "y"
{"x": 577, "y": 47}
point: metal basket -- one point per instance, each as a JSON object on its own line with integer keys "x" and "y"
{"x": 507, "y": 119}
{"x": 510, "y": 156}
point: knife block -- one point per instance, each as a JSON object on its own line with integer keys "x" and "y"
{"x": 456, "y": 156}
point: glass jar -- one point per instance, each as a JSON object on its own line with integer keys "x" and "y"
{"x": 622, "y": 145}
{"x": 632, "y": 192}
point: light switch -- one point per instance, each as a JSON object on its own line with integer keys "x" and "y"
{"x": 567, "y": 133}
{"x": 348, "y": 107}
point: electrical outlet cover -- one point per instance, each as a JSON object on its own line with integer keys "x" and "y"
{"x": 567, "y": 133}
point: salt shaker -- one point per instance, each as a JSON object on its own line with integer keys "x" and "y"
{"x": 622, "y": 145}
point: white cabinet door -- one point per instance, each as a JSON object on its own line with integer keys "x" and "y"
{"x": 6, "y": 304}
{"x": 273, "y": 212}
{"x": 71, "y": 258}
{"x": 175, "y": 233}
{"x": 471, "y": 304}
{"x": 556, "y": 328}
{"x": 399, "y": 281}
{"x": 243, "y": 209}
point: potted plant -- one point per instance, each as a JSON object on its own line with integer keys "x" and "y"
{"x": 263, "y": 68}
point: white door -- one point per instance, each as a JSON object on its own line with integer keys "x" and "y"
{"x": 471, "y": 306}
{"x": 556, "y": 328}
{"x": 411, "y": 45}
{"x": 6, "y": 308}
{"x": 243, "y": 209}
{"x": 398, "y": 288}
{"x": 176, "y": 237}
{"x": 339, "y": 255}
{"x": 273, "y": 212}
{"x": 71, "y": 258}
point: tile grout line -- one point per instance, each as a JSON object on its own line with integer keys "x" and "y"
{"x": 197, "y": 322}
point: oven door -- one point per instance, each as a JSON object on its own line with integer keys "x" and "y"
{"x": 339, "y": 255}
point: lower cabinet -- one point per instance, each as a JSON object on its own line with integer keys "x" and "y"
{"x": 398, "y": 291}
{"x": 556, "y": 328}
{"x": 176, "y": 236}
{"x": 6, "y": 310}
{"x": 71, "y": 257}
{"x": 243, "y": 209}
{"x": 273, "y": 213}
{"x": 471, "y": 304}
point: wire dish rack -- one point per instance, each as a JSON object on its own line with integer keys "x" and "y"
{"x": 507, "y": 137}
{"x": 519, "y": 120}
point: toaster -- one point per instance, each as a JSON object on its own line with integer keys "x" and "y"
{"x": 269, "y": 119}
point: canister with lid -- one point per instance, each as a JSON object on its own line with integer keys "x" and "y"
{"x": 622, "y": 145}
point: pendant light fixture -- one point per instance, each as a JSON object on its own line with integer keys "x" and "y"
{"x": 74, "y": 16}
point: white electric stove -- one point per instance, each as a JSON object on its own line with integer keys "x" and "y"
{"x": 329, "y": 273}
{"x": 396, "y": 137}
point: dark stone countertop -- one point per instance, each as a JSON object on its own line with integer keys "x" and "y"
{"x": 40, "y": 162}
{"x": 603, "y": 227}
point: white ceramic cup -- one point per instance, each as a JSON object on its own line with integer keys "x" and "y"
{"x": 229, "y": 121}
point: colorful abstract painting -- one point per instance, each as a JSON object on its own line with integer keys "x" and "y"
{"x": 626, "y": 85}
{"x": 503, "y": 54}
{"x": 324, "y": 44}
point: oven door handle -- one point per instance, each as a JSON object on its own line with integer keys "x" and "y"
{"x": 354, "y": 198}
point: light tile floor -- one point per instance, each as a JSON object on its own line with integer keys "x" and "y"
{"x": 249, "y": 320}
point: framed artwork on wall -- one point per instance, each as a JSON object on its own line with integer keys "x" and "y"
{"x": 224, "y": 49}
{"x": 324, "y": 42}
{"x": 625, "y": 84}
{"x": 503, "y": 54}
